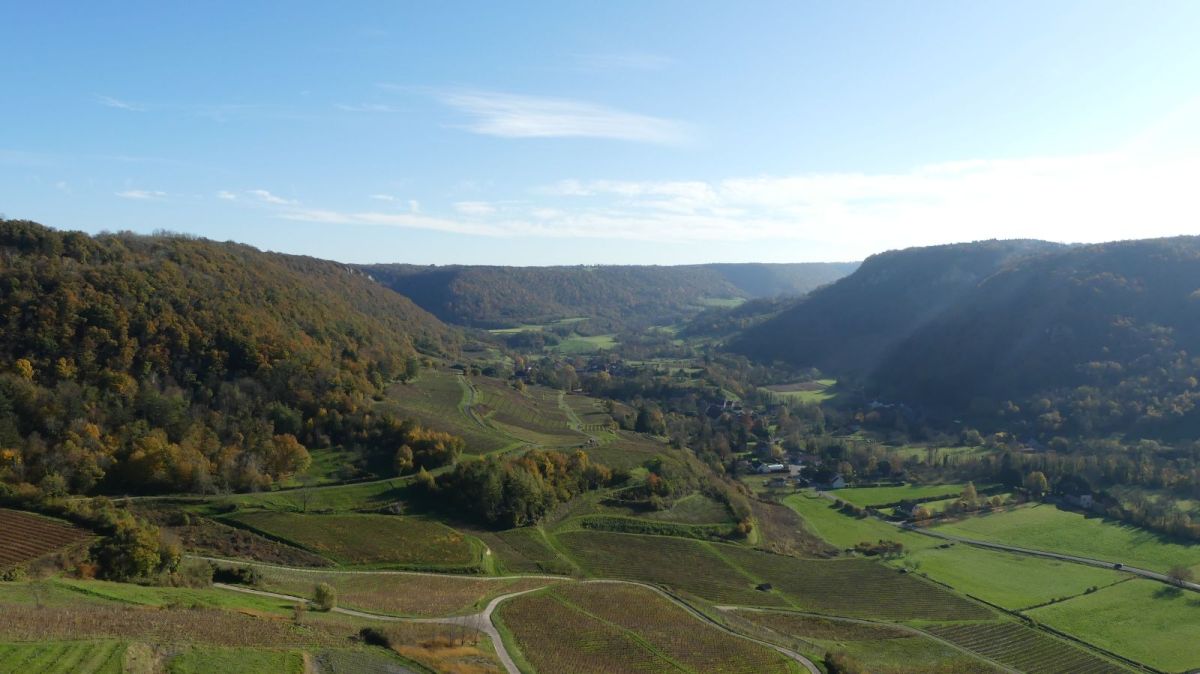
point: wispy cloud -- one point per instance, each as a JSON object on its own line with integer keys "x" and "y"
{"x": 1096, "y": 197}
{"x": 110, "y": 102}
{"x": 516, "y": 116}
{"x": 474, "y": 208}
{"x": 226, "y": 195}
{"x": 142, "y": 195}
{"x": 383, "y": 197}
{"x": 267, "y": 197}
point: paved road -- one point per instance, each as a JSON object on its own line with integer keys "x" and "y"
{"x": 482, "y": 621}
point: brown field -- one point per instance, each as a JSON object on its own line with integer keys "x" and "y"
{"x": 611, "y": 629}
{"x": 401, "y": 594}
{"x": 25, "y": 537}
{"x": 221, "y": 540}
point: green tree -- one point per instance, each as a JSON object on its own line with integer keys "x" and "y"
{"x": 132, "y": 551}
{"x": 969, "y": 494}
{"x": 1037, "y": 484}
{"x": 325, "y": 597}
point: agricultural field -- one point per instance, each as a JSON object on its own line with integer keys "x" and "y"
{"x": 852, "y": 587}
{"x": 200, "y": 660}
{"x": 1140, "y": 619}
{"x": 584, "y": 628}
{"x": 694, "y": 509}
{"x": 590, "y": 413}
{"x": 63, "y": 657}
{"x": 883, "y": 496}
{"x": 533, "y": 415}
{"x": 882, "y": 649}
{"x": 627, "y": 451}
{"x": 1044, "y": 527}
{"x": 685, "y": 565}
{"x": 526, "y": 550}
{"x": 580, "y": 344}
{"x": 439, "y": 399}
{"x": 331, "y": 499}
{"x": 370, "y": 540}
{"x": 28, "y": 537}
{"x": 1025, "y": 649}
{"x": 845, "y": 531}
{"x": 1006, "y": 579}
{"x": 396, "y": 593}
{"x": 812, "y": 392}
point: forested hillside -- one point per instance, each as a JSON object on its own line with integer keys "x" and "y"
{"x": 168, "y": 362}
{"x": 1093, "y": 339}
{"x": 1041, "y": 339}
{"x": 848, "y": 326}
{"x": 619, "y": 296}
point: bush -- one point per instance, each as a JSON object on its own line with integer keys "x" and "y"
{"x": 325, "y": 597}
{"x": 236, "y": 575}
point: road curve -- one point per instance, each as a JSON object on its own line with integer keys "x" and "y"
{"x": 482, "y": 621}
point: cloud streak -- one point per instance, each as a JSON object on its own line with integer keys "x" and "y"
{"x": 266, "y": 197}
{"x": 110, "y": 102}
{"x": 1086, "y": 198}
{"x": 142, "y": 195}
{"x": 516, "y": 116}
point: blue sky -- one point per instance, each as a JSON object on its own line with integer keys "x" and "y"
{"x": 613, "y": 132}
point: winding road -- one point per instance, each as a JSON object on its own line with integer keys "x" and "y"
{"x": 482, "y": 621}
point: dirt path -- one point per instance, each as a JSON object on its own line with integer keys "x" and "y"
{"x": 367, "y": 572}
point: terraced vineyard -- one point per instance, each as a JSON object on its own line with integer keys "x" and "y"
{"x": 1025, "y": 649}
{"x": 398, "y": 593}
{"x": 880, "y": 649}
{"x": 854, "y": 587}
{"x": 70, "y": 657}
{"x": 436, "y": 400}
{"x": 28, "y": 537}
{"x": 380, "y": 540}
{"x": 592, "y": 416}
{"x": 589, "y": 628}
{"x": 532, "y": 415}
{"x": 682, "y": 564}
{"x": 527, "y": 551}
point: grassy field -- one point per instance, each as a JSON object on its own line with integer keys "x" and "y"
{"x": 812, "y": 392}
{"x": 28, "y": 536}
{"x": 1142, "y": 620}
{"x": 685, "y": 565}
{"x": 844, "y": 531}
{"x": 1009, "y": 580}
{"x": 63, "y": 657}
{"x": 627, "y": 451}
{"x": 589, "y": 628}
{"x": 694, "y": 509}
{"x": 881, "y": 649}
{"x": 439, "y": 399}
{"x": 880, "y": 496}
{"x": 1025, "y": 649}
{"x": 370, "y": 540}
{"x": 853, "y": 587}
{"x": 579, "y": 344}
{"x": 1045, "y": 527}
{"x": 400, "y": 594}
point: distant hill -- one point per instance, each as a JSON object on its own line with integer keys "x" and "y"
{"x": 849, "y": 325}
{"x": 619, "y": 296}
{"x": 1066, "y": 340}
{"x": 176, "y": 362}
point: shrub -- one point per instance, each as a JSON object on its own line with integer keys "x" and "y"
{"x": 325, "y": 597}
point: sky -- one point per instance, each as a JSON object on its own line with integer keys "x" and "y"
{"x": 536, "y": 133}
